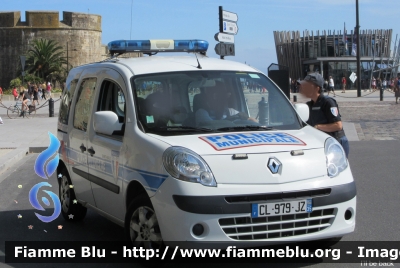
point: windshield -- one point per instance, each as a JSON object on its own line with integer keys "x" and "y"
{"x": 210, "y": 101}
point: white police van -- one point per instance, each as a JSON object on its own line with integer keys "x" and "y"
{"x": 176, "y": 148}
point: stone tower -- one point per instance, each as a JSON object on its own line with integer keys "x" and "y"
{"x": 81, "y": 31}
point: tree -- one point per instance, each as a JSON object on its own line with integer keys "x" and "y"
{"x": 45, "y": 58}
{"x": 15, "y": 82}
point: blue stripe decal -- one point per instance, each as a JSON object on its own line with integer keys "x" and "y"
{"x": 151, "y": 181}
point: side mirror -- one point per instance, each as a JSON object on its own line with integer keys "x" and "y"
{"x": 106, "y": 122}
{"x": 303, "y": 111}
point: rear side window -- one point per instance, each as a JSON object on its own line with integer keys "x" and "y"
{"x": 84, "y": 103}
{"x": 66, "y": 100}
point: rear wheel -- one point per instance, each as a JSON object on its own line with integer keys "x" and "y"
{"x": 32, "y": 113}
{"x": 13, "y": 112}
{"x": 70, "y": 208}
{"x": 141, "y": 224}
{"x": 25, "y": 113}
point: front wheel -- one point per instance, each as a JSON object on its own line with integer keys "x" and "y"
{"x": 70, "y": 208}
{"x": 13, "y": 112}
{"x": 141, "y": 224}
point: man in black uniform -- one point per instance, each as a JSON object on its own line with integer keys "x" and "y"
{"x": 324, "y": 111}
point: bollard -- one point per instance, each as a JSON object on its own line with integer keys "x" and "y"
{"x": 381, "y": 94}
{"x": 294, "y": 98}
{"x": 51, "y": 107}
{"x": 263, "y": 112}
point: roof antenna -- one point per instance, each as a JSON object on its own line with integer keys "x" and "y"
{"x": 198, "y": 66}
{"x": 198, "y": 63}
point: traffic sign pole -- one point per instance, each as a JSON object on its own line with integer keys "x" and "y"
{"x": 221, "y": 30}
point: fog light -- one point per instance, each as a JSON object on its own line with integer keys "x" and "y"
{"x": 348, "y": 215}
{"x": 198, "y": 229}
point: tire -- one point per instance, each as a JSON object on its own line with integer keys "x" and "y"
{"x": 26, "y": 114}
{"x": 141, "y": 225}
{"x": 33, "y": 113}
{"x": 67, "y": 197}
{"x": 330, "y": 241}
{"x": 13, "y": 112}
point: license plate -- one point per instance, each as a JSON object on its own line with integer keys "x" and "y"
{"x": 281, "y": 208}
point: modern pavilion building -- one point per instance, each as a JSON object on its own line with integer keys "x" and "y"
{"x": 326, "y": 53}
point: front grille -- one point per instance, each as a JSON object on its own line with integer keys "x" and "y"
{"x": 247, "y": 228}
{"x": 278, "y": 196}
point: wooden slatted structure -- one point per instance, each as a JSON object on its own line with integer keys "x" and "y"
{"x": 293, "y": 50}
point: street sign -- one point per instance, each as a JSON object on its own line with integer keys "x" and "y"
{"x": 23, "y": 73}
{"x": 226, "y": 38}
{"x": 22, "y": 62}
{"x": 229, "y": 27}
{"x": 226, "y": 15}
{"x": 224, "y": 49}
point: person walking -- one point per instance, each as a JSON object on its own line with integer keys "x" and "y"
{"x": 35, "y": 95}
{"x": 15, "y": 93}
{"x": 373, "y": 85}
{"x": 48, "y": 89}
{"x": 293, "y": 86}
{"x": 331, "y": 86}
{"x": 44, "y": 91}
{"x": 40, "y": 91}
{"x": 324, "y": 110}
{"x": 1, "y": 94}
{"x": 397, "y": 89}
{"x": 344, "y": 84}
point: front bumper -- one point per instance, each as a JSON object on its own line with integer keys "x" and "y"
{"x": 232, "y": 222}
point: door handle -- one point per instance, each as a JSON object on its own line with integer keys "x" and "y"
{"x": 91, "y": 151}
{"x": 83, "y": 148}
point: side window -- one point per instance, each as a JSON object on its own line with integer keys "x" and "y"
{"x": 112, "y": 98}
{"x": 84, "y": 103}
{"x": 66, "y": 101}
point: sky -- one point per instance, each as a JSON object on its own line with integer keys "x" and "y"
{"x": 257, "y": 20}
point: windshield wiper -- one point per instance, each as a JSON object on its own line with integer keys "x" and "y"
{"x": 188, "y": 128}
{"x": 248, "y": 127}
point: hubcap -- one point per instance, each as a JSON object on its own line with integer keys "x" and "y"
{"x": 144, "y": 228}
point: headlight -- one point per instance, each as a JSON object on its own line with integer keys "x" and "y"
{"x": 186, "y": 165}
{"x": 336, "y": 160}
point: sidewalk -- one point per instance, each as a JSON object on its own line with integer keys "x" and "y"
{"x": 21, "y": 136}
{"x": 351, "y": 96}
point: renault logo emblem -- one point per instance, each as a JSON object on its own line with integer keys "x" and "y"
{"x": 274, "y": 165}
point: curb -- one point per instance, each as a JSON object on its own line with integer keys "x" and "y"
{"x": 12, "y": 158}
{"x": 11, "y": 97}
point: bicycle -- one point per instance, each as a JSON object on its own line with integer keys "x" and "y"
{"x": 15, "y": 111}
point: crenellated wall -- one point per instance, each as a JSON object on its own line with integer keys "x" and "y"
{"x": 81, "y": 31}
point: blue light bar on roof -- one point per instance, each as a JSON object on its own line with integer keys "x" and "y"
{"x": 124, "y": 46}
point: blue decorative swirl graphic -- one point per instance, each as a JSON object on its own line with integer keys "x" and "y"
{"x": 35, "y": 203}
{"x": 45, "y": 156}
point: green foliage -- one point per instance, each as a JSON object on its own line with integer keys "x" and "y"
{"x": 7, "y": 92}
{"x": 45, "y": 60}
{"x": 32, "y": 78}
{"x": 15, "y": 82}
